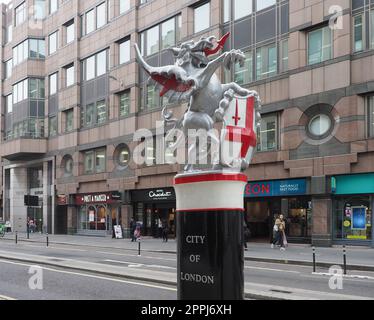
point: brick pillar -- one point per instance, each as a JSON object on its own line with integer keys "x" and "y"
{"x": 18, "y": 188}
{"x": 322, "y": 229}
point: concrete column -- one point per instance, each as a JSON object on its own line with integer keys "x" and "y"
{"x": 45, "y": 197}
{"x": 18, "y": 189}
{"x": 322, "y": 217}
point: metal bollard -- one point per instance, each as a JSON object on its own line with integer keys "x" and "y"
{"x": 139, "y": 248}
{"x": 345, "y": 260}
{"x": 47, "y": 240}
{"x": 16, "y": 237}
{"x": 314, "y": 259}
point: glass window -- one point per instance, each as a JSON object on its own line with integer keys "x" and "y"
{"x": 125, "y": 104}
{"x": 53, "y": 6}
{"x": 353, "y": 218}
{"x": 10, "y": 33}
{"x": 124, "y": 157}
{"x": 101, "y": 112}
{"x": 39, "y": 10}
{"x": 69, "y": 117}
{"x": 9, "y": 103}
{"x": 33, "y": 88}
{"x": 266, "y": 62}
{"x": 168, "y": 34}
{"x": 372, "y": 28}
{"x": 242, "y": 8}
{"x": 53, "y": 126}
{"x": 152, "y": 97}
{"x": 8, "y": 68}
{"x": 243, "y": 75}
{"x": 124, "y": 52}
{"x": 89, "y": 162}
{"x": 90, "y": 21}
{"x": 70, "y": 75}
{"x": 100, "y": 161}
{"x": 319, "y": 45}
{"x": 90, "y": 114}
{"x": 68, "y": 165}
{"x": 70, "y": 32}
{"x": 267, "y": 133}
{"x": 124, "y": 5}
{"x": 284, "y": 55}
{"x": 371, "y": 115}
{"x": 153, "y": 45}
{"x": 53, "y": 39}
{"x": 358, "y": 33}
{"x": 53, "y": 84}
{"x": 20, "y": 14}
{"x": 33, "y": 48}
{"x": 101, "y": 15}
{"x": 262, "y": 4}
{"x": 202, "y": 17}
{"x": 226, "y": 10}
{"x": 320, "y": 125}
{"x": 90, "y": 68}
{"x": 101, "y": 62}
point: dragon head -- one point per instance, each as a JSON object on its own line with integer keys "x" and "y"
{"x": 198, "y": 53}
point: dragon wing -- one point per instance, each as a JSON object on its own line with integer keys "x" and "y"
{"x": 172, "y": 81}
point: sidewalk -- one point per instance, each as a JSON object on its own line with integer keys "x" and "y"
{"x": 358, "y": 258}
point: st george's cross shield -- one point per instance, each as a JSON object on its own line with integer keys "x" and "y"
{"x": 239, "y": 136}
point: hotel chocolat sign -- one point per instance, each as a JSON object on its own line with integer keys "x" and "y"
{"x": 111, "y": 197}
{"x": 154, "y": 195}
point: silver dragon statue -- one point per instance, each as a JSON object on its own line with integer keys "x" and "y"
{"x": 193, "y": 79}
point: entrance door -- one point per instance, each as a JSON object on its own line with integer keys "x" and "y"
{"x": 61, "y": 220}
{"x": 35, "y": 216}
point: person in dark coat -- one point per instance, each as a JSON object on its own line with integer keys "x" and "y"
{"x": 246, "y": 236}
{"x": 165, "y": 231}
{"x": 132, "y": 229}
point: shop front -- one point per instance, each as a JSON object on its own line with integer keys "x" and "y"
{"x": 353, "y": 201}
{"x": 265, "y": 200}
{"x": 154, "y": 207}
{"x": 98, "y": 213}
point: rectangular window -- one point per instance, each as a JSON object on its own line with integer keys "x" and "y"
{"x": 284, "y": 55}
{"x": 90, "y": 68}
{"x": 8, "y": 68}
{"x": 319, "y": 45}
{"x": 37, "y": 48}
{"x": 70, "y": 78}
{"x": 101, "y": 112}
{"x": 226, "y": 11}
{"x": 358, "y": 33}
{"x": 53, "y": 42}
{"x": 90, "y": 21}
{"x": 202, "y": 17}
{"x": 372, "y": 28}
{"x": 89, "y": 162}
{"x": 243, "y": 8}
{"x": 262, "y": 4}
{"x": 9, "y": 34}
{"x": 244, "y": 75}
{"x": 124, "y": 52}
{"x": 124, "y": 5}
{"x": 70, "y": 32}
{"x": 95, "y": 161}
{"x": 53, "y": 84}
{"x": 90, "y": 115}
{"x": 267, "y": 134}
{"x": 53, "y": 126}
{"x": 9, "y": 103}
{"x": 101, "y": 15}
{"x": 21, "y": 14}
{"x": 53, "y": 6}
{"x": 266, "y": 62}
{"x": 152, "y": 97}
{"x": 168, "y": 34}
{"x": 153, "y": 43}
{"x": 371, "y": 116}
{"x": 100, "y": 160}
{"x": 101, "y": 63}
{"x": 124, "y": 99}
{"x": 69, "y": 120}
{"x": 39, "y": 10}
{"x": 20, "y": 91}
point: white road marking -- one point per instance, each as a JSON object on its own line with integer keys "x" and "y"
{"x": 134, "y": 255}
{"x": 6, "y": 298}
{"x": 344, "y": 276}
{"x": 93, "y": 276}
{"x": 269, "y": 269}
{"x": 135, "y": 265}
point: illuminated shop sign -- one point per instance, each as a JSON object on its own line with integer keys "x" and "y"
{"x": 276, "y": 188}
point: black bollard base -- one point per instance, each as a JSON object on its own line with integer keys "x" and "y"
{"x": 210, "y": 236}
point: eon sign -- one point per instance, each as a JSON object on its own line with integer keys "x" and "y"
{"x": 275, "y": 188}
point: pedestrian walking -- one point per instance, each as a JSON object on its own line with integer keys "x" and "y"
{"x": 160, "y": 227}
{"x": 246, "y": 236}
{"x": 132, "y": 229}
{"x": 276, "y": 233}
{"x": 165, "y": 231}
{"x": 137, "y": 233}
{"x": 282, "y": 230}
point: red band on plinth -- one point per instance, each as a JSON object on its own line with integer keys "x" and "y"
{"x": 210, "y": 178}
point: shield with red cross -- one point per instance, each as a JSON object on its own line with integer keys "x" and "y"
{"x": 239, "y": 136}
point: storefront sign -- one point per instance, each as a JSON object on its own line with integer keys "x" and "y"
{"x": 354, "y": 184}
{"x": 276, "y": 188}
{"x": 111, "y": 197}
{"x": 153, "y": 195}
